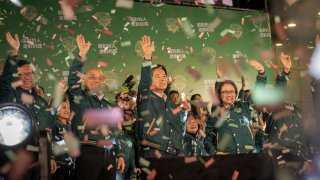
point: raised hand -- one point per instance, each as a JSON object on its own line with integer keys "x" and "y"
{"x": 244, "y": 84}
{"x": 256, "y": 65}
{"x": 62, "y": 86}
{"x": 171, "y": 79}
{"x": 147, "y": 47}
{"x": 219, "y": 72}
{"x": 13, "y": 42}
{"x": 83, "y": 46}
{"x": 286, "y": 61}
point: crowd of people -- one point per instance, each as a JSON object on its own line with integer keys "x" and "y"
{"x": 156, "y": 122}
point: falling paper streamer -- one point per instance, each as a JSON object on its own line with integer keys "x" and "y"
{"x": 128, "y": 4}
{"x": 110, "y": 117}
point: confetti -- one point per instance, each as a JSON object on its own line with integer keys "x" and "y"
{"x": 224, "y": 39}
{"x": 125, "y": 43}
{"x": 151, "y": 125}
{"x": 102, "y": 63}
{"x": 11, "y": 155}
{"x": 144, "y": 162}
{"x": 209, "y": 163}
{"x": 196, "y": 74}
{"x": 285, "y": 151}
{"x": 32, "y": 148}
{"x": 109, "y": 167}
{"x": 235, "y": 175}
{"x": 189, "y": 160}
{"x": 128, "y": 4}
{"x": 48, "y": 61}
{"x": 152, "y": 175}
{"x": 281, "y": 162}
{"x": 158, "y": 154}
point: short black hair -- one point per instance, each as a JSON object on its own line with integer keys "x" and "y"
{"x": 22, "y": 63}
{"x": 40, "y": 87}
{"x": 160, "y": 66}
{"x": 173, "y": 92}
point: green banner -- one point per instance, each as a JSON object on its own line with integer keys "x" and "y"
{"x": 190, "y": 41}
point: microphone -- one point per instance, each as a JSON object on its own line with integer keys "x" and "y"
{"x": 127, "y": 81}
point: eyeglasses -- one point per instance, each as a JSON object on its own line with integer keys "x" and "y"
{"x": 24, "y": 75}
{"x": 92, "y": 78}
{"x": 228, "y": 92}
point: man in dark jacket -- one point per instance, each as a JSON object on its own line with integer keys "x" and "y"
{"x": 159, "y": 124}
{"x": 17, "y": 84}
{"x": 97, "y": 158}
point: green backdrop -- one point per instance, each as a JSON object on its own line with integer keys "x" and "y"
{"x": 190, "y": 41}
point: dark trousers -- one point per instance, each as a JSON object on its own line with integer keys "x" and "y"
{"x": 95, "y": 163}
{"x": 63, "y": 173}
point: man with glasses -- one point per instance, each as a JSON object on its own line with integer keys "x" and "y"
{"x": 17, "y": 84}
{"x": 97, "y": 161}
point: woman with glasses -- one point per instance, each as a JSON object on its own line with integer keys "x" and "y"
{"x": 230, "y": 130}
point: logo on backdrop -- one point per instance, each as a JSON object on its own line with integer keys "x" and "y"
{"x": 177, "y": 53}
{"x": 103, "y": 18}
{"x": 172, "y": 25}
{"x": 138, "y": 21}
{"x": 29, "y": 12}
{"x": 237, "y": 30}
{"x": 180, "y": 83}
{"x": 108, "y": 48}
{"x": 31, "y": 43}
{"x": 208, "y": 55}
{"x": 69, "y": 44}
{"x": 203, "y": 27}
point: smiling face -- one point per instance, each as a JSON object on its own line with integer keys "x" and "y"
{"x": 174, "y": 98}
{"x": 228, "y": 94}
{"x": 64, "y": 111}
{"x": 93, "y": 79}
{"x": 192, "y": 125}
{"x": 159, "y": 79}
{"x": 26, "y": 75}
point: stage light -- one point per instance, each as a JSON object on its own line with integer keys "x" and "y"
{"x": 291, "y": 25}
{"x": 16, "y": 125}
{"x": 278, "y": 44}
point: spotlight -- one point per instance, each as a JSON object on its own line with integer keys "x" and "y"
{"x": 16, "y": 125}
{"x": 291, "y": 25}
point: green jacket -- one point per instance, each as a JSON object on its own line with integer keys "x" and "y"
{"x": 39, "y": 109}
{"x": 63, "y": 159}
{"x": 157, "y": 126}
{"x": 193, "y": 146}
{"x": 231, "y": 133}
{"x": 80, "y": 101}
{"x": 125, "y": 141}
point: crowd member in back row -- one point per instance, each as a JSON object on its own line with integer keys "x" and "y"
{"x": 66, "y": 164}
{"x": 193, "y": 139}
{"x": 17, "y": 84}
{"x": 96, "y": 161}
{"x": 286, "y": 136}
